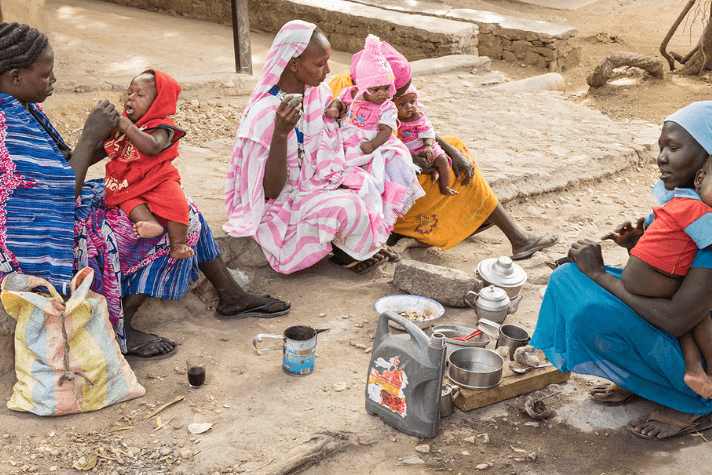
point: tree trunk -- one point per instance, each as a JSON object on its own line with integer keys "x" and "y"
{"x": 703, "y": 55}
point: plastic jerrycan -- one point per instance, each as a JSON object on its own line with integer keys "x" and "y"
{"x": 405, "y": 377}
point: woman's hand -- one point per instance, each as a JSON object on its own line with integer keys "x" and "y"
{"x": 100, "y": 123}
{"x": 288, "y": 114}
{"x": 588, "y": 257}
{"x": 460, "y": 165}
{"x": 420, "y": 160}
{"x": 429, "y": 154}
{"x": 626, "y": 235}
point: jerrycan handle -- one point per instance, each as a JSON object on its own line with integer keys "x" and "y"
{"x": 412, "y": 329}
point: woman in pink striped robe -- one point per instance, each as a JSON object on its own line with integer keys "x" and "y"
{"x": 284, "y": 185}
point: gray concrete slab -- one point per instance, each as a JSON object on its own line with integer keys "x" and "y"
{"x": 449, "y": 64}
{"x": 559, "y": 4}
{"x": 497, "y": 20}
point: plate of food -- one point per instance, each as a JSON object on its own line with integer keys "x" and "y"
{"x": 422, "y": 311}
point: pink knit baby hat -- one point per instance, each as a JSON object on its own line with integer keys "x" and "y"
{"x": 371, "y": 68}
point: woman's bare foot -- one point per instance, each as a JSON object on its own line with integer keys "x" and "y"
{"x": 446, "y": 190}
{"x": 181, "y": 250}
{"x": 148, "y": 229}
{"x": 697, "y": 380}
{"x": 664, "y": 423}
{"x": 611, "y": 394}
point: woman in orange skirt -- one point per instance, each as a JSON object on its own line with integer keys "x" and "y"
{"x": 445, "y": 221}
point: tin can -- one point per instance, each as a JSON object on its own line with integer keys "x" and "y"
{"x": 298, "y": 348}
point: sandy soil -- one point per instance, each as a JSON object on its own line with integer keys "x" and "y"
{"x": 259, "y": 413}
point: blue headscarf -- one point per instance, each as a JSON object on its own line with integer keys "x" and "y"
{"x": 697, "y": 120}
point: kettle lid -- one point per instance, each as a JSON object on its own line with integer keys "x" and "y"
{"x": 502, "y": 271}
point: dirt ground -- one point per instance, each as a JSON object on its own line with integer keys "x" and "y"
{"x": 262, "y": 418}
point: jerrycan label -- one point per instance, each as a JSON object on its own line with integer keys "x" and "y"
{"x": 386, "y": 388}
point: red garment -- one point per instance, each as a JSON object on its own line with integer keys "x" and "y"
{"x": 670, "y": 243}
{"x": 166, "y": 201}
{"x": 130, "y": 174}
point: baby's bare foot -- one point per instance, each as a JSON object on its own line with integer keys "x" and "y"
{"x": 181, "y": 251}
{"x": 699, "y": 382}
{"x": 446, "y": 190}
{"x": 148, "y": 229}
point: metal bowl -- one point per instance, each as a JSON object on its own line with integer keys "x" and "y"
{"x": 475, "y": 368}
{"x": 456, "y": 331}
{"x": 397, "y": 303}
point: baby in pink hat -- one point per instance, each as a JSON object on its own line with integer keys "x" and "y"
{"x": 367, "y": 105}
{"x": 417, "y": 133}
{"x": 369, "y": 120}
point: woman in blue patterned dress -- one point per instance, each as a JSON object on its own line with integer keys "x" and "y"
{"x": 52, "y": 222}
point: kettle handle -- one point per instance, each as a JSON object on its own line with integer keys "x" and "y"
{"x": 467, "y": 301}
{"x": 258, "y": 338}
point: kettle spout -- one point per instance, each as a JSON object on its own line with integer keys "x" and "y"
{"x": 515, "y": 304}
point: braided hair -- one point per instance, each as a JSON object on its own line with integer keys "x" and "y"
{"x": 20, "y": 45}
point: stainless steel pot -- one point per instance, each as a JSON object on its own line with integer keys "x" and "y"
{"x": 475, "y": 368}
{"x": 456, "y": 331}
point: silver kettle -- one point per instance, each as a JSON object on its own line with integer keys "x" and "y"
{"x": 493, "y": 303}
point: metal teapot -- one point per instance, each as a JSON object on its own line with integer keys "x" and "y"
{"x": 493, "y": 303}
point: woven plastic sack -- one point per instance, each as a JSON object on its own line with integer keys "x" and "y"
{"x": 66, "y": 357}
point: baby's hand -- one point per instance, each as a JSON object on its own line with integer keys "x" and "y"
{"x": 124, "y": 123}
{"x": 367, "y": 147}
{"x": 429, "y": 154}
{"x": 333, "y": 111}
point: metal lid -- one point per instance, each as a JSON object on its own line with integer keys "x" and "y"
{"x": 492, "y": 298}
{"x": 502, "y": 272}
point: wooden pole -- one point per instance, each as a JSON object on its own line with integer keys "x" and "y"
{"x": 241, "y": 36}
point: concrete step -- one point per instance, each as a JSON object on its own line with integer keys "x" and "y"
{"x": 539, "y": 43}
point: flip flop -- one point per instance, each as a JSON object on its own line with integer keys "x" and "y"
{"x": 257, "y": 312}
{"x": 387, "y": 248}
{"x": 131, "y": 354}
{"x": 535, "y": 247}
{"x": 699, "y": 424}
{"x": 606, "y": 389}
{"x": 338, "y": 262}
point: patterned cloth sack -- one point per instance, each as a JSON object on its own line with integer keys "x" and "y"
{"x": 67, "y": 359}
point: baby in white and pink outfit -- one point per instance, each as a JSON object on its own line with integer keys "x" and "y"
{"x": 417, "y": 133}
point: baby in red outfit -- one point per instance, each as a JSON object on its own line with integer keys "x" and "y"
{"x": 140, "y": 178}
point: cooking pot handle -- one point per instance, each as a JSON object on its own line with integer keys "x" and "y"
{"x": 467, "y": 296}
{"x": 258, "y": 338}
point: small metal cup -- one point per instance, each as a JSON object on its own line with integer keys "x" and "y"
{"x": 513, "y": 337}
{"x": 447, "y": 396}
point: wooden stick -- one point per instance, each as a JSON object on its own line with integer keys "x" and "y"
{"x": 160, "y": 408}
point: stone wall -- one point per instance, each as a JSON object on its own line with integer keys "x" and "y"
{"x": 538, "y": 43}
{"x": 346, "y": 24}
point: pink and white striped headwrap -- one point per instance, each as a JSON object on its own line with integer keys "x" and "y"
{"x": 290, "y": 42}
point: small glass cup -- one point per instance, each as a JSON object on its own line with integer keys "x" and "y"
{"x": 196, "y": 371}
